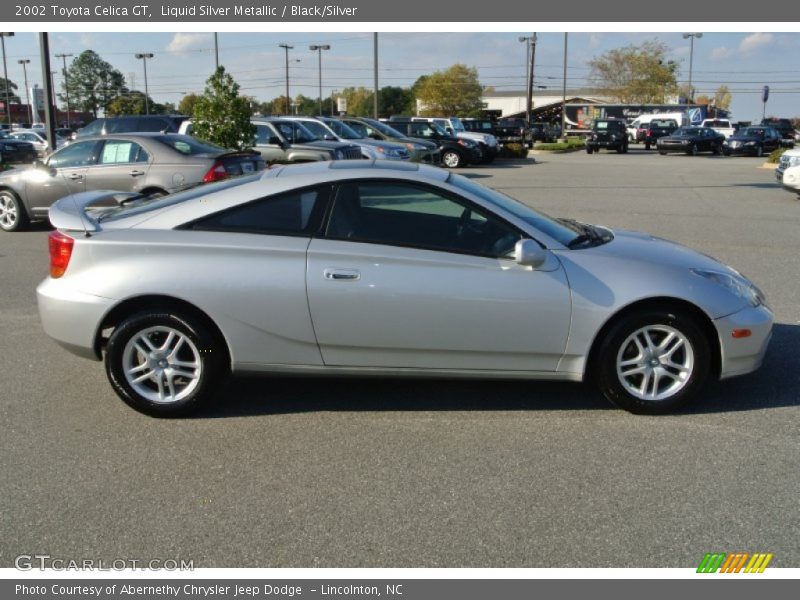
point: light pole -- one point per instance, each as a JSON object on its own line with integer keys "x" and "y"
{"x": 287, "y": 47}
{"x": 66, "y": 81}
{"x": 25, "y": 62}
{"x": 530, "y": 47}
{"x": 375, "y": 67}
{"x": 216, "y": 50}
{"x": 564, "y": 92}
{"x": 691, "y": 37}
{"x": 144, "y": 56}
{"x": 318, "y": 48}
{"x": 3, "y": 36}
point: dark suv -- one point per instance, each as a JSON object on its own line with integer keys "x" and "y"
{"x": 656, "y": 129}
{"x": 611, "y": 134}
{"x": 782, "y": 126}
{"x": 133, "y": 124}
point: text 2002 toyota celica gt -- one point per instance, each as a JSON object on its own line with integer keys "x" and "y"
{"x": 365, "y": 268}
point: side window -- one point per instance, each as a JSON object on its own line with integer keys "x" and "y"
{"x": 293, "y": 213}
{"x": 93, "y": 128}
{"x": 397, "y": 213}
{"x": 360, "y": 128}
{"x": 79, "y": 154}
{"x": 152, "y": 125}
{"x": 263, "y": 134}
{"x": 120, "y": 152}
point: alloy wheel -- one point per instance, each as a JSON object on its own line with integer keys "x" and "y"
{"x": 8, "y": 212}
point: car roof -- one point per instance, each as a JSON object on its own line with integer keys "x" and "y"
{"x": 357, "y": 169}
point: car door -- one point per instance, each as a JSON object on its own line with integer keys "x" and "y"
{"x": 269, "y": 144}
{"x": 63, "y": 173}
{"x": 410, "y": 276}
{"x": 253, "y": 258}
{"x": 121, "y": 165}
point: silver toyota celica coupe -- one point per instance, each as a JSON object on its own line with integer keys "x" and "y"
{"x": 384, "y": 268}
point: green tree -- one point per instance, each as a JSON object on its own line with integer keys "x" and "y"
{"x": 722, "y": 97}
{"x": 13, "y": 97}
{"x": 93, "y": 83}
{"x": 187, "y": 103}
{"x": 359, "y": 100}
{"x": 411, "y": 106}
{"x": 221, "y": 115}
{"x": 635, "y": 74}
{"x": 132, "y": 103}
{"x": 393, "y": 101}
{"x": 453, "y": 92}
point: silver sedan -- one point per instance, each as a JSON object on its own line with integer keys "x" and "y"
{"x": 371, "y": 268}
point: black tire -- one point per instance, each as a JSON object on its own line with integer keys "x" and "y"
{"x": 726, "y": 152}
{"x": 694, "y": 150}
{"x": 615, "y": 345}
{"x": 452, "y": 159}
{"x": 625, "y": 149}
{"x": 647, "y": 145}
{"x": 204, "y": 349}
{"x": 716, "y": 149}
{"x": 759, "y": 151}
{"x": 13, "y": 216}
{"x": 589, "y": 149}
{"x": 662, "y": 152}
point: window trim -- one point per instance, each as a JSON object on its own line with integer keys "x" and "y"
{"x": 457, "y": 198}
{"x": 316, "y": 218}
{"x": 92, "y": 159}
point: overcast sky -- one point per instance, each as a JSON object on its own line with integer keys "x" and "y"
{"x": 745, "y": 62}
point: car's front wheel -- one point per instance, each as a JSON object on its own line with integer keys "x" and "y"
{"x": 653, "y": 361}
{"x": 164, "y": 364}
{"x": 452, "y": 159}
{"x": 12, "y": 213}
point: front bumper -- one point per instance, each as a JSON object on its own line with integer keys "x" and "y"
{"x": 744, "y": 355}
{"x": 71, "y": 318}
{"x": 741, "y": 149}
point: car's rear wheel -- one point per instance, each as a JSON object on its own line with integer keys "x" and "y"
{"x": 653, "y": 361}
{"x": 164, "y": 364}
{"x": 589, "y": 149}
{"x": 12, "y": 212}
{"x": 452, "y": 159}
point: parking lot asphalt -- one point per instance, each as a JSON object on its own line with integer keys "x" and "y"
{"x": 397, "y": 473}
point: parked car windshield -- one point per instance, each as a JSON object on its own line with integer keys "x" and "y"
{"x": 752, "y": 132}
{"x": 188, "y": 145}
{"x": 319, "y": 130}
{"x": 342, "y": 130}
{"x": 383, "y": 128}
{"x": 687, "y": 132}
{"x": 540, "y": 221}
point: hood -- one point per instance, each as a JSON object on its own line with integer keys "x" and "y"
{"x": 379, "y": 144}
{"x": 422, "y": 142}
{"x": 478, "y": 137}
{"x": 745, "y": 138}
{"x": 327, "y": 145}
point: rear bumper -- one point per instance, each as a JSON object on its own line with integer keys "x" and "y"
{"x": 744, "y": 355}
{"x": 71, "y": 318}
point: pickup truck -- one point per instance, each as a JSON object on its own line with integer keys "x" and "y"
{"x": 723, "y": 126}
{"x": 656, "y": 129}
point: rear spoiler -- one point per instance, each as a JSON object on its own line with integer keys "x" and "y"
{"x": 69, "y": 213}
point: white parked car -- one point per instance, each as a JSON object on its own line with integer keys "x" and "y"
{"x": 791, "y": 179}
{"x": 38, "y": 138}
{"x": 789, "y": 159}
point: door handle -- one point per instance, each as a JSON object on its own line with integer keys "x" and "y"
{"x": 342, "y": 274}
{"x": 75, "y": 176}
{"x": 136, "y": 173}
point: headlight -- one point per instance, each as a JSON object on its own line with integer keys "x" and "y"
{"x": 738, "y": 286}
{"x": 467, "y": 143}
{"x": 750, "y": 143}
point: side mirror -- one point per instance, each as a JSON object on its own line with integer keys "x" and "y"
{"x": 529, "y": 254}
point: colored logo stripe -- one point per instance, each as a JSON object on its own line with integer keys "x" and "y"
{"x": 734, "y": 562}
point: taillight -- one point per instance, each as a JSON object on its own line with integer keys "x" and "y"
{"x": 60, "y": 252}
{"x": 217, "y": 172}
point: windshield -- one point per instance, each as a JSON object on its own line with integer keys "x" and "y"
{"x": 438, "y": 129}
{"x": 752, "y": 132}
{"x": 319, "y": 130}
{"x": 540, "y": 221}
{"x": 383, "y": 128}
{"x": 342, "y": 130}
{"x": 188, "y": 145}
{"x": 149, "y": 203}
{"x": 456, "y": 124}
{"x": 687, "y": 132}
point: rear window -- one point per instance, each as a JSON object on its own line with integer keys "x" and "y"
{"x": 150, "y": 203}
{"x": 187, "y": 145}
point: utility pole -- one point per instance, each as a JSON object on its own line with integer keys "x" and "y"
{"x": 66, "y": 81}
{"x": 25, "y": 62}
{"x": 564, "y": 92}
{"x": 530, "y": 47}
{"x": 287, "y": 47}
{"x": 144, "y": 56}
{"x": 3, "y": 36}
{"x": 691, "y": 37}
{"x": 318, "y": 48}
{"x": 375, "y": 66}
{"x": 216, "y": 50}
{"x": 49, "y": 117}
